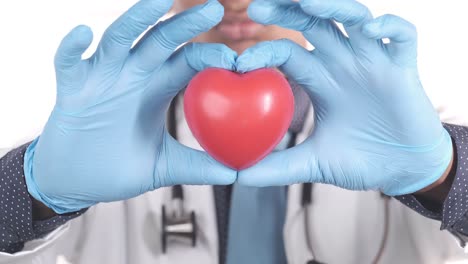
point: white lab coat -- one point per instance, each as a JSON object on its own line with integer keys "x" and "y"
{"x": 346, "y": 227}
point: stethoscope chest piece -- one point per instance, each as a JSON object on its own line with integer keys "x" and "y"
{"x": 178, "y": 227}
{"x": 313, "y": 262}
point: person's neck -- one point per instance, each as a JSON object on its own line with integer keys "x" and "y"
{"x": 241, "y": 46}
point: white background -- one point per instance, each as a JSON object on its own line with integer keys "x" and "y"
{"x": 31, "y": 30}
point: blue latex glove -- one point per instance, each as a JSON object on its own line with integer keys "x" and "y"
{"x": 106, "y": 138}
{"x": 375, "y": 128}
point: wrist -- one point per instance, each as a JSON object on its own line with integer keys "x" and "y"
{"x": 40, "y": 211}
{"x": 437, "y": 192}
{"x": 440, "y": 182}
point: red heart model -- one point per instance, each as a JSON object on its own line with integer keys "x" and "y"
{"x": 238, "y": 118}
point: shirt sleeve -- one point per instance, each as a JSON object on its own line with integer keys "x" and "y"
{"x": 16, "y": 219}
{"x": 454, "y": 214}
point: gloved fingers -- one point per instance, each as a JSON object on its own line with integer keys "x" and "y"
{"x": 350, "y": 13}
{"x": 72, "y": 47}
{"x": 402, "y": 34}
{"x": 68, "y": 64}
{"x": 291, "y": 166}
{"x": 275, "y": 53}
{"x": 187, "y": 61}
{"x": 179, "y": 69}
{"x": 323, "y": 34}
{"x": 120, "y": 36}
{"x": 178, "y": 164}
{"x": 161, "y": 41}
{"x": 293, "y": 60}
{"x": 281, "y": 2}
{"x": 200, "y": 56}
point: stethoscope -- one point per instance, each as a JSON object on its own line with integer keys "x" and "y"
{"x": 180, "y": 225}
{"x": 177, "y": 223}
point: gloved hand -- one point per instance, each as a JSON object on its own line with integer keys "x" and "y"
{"x": 106, "y": 138}
{"x": 374, "y": 129}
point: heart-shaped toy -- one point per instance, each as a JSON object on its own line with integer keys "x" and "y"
{"x": 238, "y": 118}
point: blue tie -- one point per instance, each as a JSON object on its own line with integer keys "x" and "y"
{"x": 256, "y": 225}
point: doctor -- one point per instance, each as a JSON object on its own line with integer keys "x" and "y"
{"x": 91, "y": 188}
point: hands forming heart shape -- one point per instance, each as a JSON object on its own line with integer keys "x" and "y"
{"x": 106, "y": 138}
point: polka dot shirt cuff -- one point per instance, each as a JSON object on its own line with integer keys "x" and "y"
{"x": 456, "y": 204}
{"x": 16, "y": 222}
{"x": 453, "y": 215}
